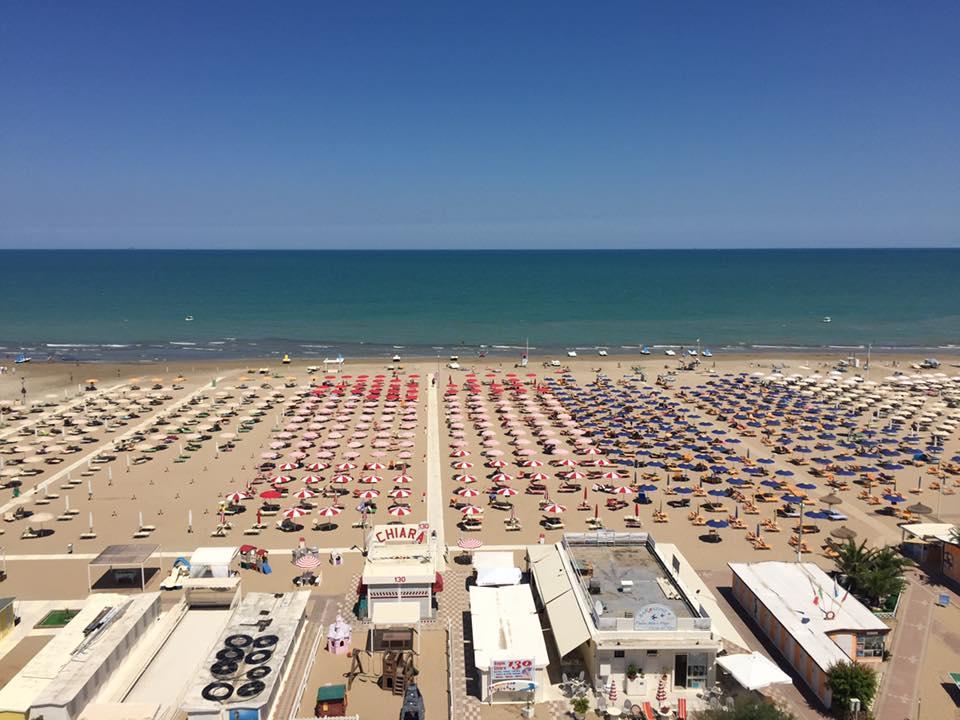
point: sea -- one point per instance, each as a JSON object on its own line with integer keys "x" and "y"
{"x": 149, "y": 305}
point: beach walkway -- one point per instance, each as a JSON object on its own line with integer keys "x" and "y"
{"x": 434, "y": 488}
{"x": 901, "y": 682}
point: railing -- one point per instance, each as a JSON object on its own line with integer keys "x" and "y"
{"x": 449, "y": 671}
{"x": 623, "y": 625}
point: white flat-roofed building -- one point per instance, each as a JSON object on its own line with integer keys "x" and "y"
{"x": 813, "y": 622}
{"x": 616, "y": 602}
{"x": 68, "y": 672}
{"x": 402, "y": 566}
{"x": 508, "y": 647}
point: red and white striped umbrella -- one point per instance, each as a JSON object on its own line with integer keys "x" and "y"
{"x": 344, "y": 466}
{"x": 292, "y": 513}
{"x": 537, "y": 476}
{"x": 465, "y": 478}
{"x": 554, "y": 508}
{"x": 316, "y": 467}
{"x": 467, "y": 492}
{"x": 575, "y": 475}
{"x": 236, "y": 497}
{"x": 399, "y": 510}
{"x": 400, "y": 493}
{"x": 329, "y": 511}
{"x": 312, "y": 479}
{"x": 369, "y": 494}
{"x": 371, "y": 479}
{"x": 471, "y": 510}
{"x": 304, "y": 494}
{"x": 506, "y": 492}
{"x": 497, "y": 463}
{"x": 460, "y": 453}
{"x": 341, "y": 479}
{"x": 281, "y": 479}
{"x": 612, "y": 695}
{"x": 531, "y": 464}
{"x": 603, "y": 462}
{"x": 593, "y": 451}
{"x": 623, "y": 490}
{"x": 374, "y": 466}
{"x": 308, "y": 561}
{"x": 612, "y": 475}
{"x": 469, "y": 543}
{"x": 567, "y": 463}
{"x": 462, "y": 465}
{"x": 287, "y": 466}
{"x": 403, "y": 479}
{"x": 501, "y": 478}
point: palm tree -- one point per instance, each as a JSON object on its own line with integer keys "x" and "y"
{"x": 852, "y": 561}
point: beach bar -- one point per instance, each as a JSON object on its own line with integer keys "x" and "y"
{"x": 402, "y": 568}
{"x": 619, "y": 607}
{"x": 812, "y": 621}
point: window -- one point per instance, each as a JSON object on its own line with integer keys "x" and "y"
{"x": 870, "y": 646}
{"x": 696, "y": 670}
{"x": 651, "y": 653}
{"x": 619, "y": 653}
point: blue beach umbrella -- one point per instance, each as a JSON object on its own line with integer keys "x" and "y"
{"x": 683, "y": 490}
{"x": 893, "y": 499}
{"x": 717, "y": 524}
{"x": 717, "y": 493}
{"x": 793, "y": 499}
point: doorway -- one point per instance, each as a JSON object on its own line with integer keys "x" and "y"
{"x": 680, "y": 670}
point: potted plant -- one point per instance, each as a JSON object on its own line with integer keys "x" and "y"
{"x": 581, "y": 706}
{"x": 632, "y": 686}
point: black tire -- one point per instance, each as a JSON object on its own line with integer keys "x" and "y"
{"x": 265, "y": 641}
{"x": 230, "y": 654}
{"x": 258, "y": 657}
{"x": 238, "y": 641}
{"x": 259, "y": 672}
{"x": 217, "y": 692}
{"x": 224, "y": 668}
{"x": 251, "y": 689}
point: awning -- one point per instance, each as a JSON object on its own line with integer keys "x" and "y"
{"x": 395, "y": 613}
{"x": 753, "y": 671}
{"x": 567, "y": 622}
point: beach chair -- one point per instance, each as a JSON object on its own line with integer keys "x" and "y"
{"x": 648, "y": 711}
{"x": 682, "y": 708}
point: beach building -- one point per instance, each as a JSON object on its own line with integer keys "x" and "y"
{"x": 68, "y": 672}
{"x": 509, "y": 651}
{"x": 243, "y": 672}
{"x": 933, "y": 544}
{"x": 402, "y": 567}
{"x": 628, "y": 611}
{"x": 812, "y": 621}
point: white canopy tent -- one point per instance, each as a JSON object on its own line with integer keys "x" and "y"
{"x": 496, "y": 568}
{"x": 753, "y": 671}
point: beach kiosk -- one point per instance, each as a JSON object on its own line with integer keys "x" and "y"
{"x": 508, "y": 647}
{"x": 402, "y": 568}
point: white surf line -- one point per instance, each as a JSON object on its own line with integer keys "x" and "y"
{"x": 79, "y": 400}
{"x": 104, "y": 447}
{"x": 434, "y": 486}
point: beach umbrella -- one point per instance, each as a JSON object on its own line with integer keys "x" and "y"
{"x": 470, "y": 510}
{"x": 469, "y": 543}
{"x": 920, "y": 509}
{"x": 371, "y": 479}
{"x": 612, "y": 693}
{"x": 612, "y": 475}
{"x": 308, "y": 561}
{"x": 316, "y": 467}
{"x": 236, "y": 497}
{"x": 345, "y": 466}
{"x": 466, "y": 492}
{"x": 893, "y": 499}
{"x": 304, "y": 494}
{"x": 462, "y": 465}
{"x": 399, "y": 511}
{"x": 271, "y": 495}
{"x": 506, "y": 492}
{"x": 287, "y": 466}
{"x": 369, "y": 494}
{"x": 399, "y": 492}
{"x": 501, "y": 477}
{"x": 465, "y": 478}
{"x": 531, "y": 464}
{"x": 554, "y": 508}
{"x": 328, "y": 512}
{"x": 497, "y": 463}
{"x": 312, "y": 479}
{"x": 831, "y": 499}
{"x": 538, "y": 476}
{"x": 843, "y": 533}
{"x": 623, "y": 490}
{"x": 281, "y": 479}
{"x": 403, "y": 479}
{"x": 717, "y": 524}
{"x": 293, "y": 513}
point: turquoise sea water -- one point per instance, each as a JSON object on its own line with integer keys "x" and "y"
{"x": 96, "y": 304}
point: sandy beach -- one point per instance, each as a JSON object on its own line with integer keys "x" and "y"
{"x": 153, "y": 454}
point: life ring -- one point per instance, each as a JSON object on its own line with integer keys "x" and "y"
{"x": 829, "y": 615}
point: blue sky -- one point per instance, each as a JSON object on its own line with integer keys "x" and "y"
{"x": 495, "y": 124}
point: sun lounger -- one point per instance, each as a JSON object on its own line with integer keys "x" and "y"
{"x": 648, "y": 711}
{"x": 682, "y": 708}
